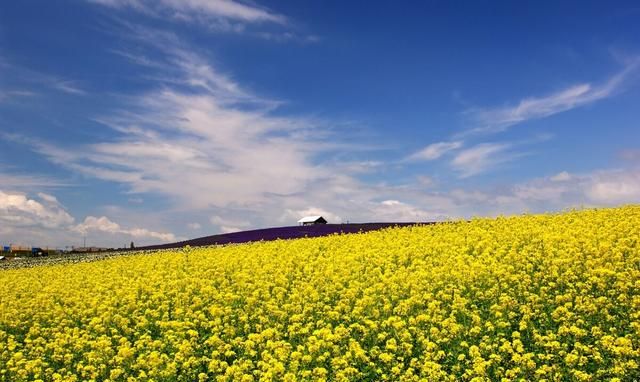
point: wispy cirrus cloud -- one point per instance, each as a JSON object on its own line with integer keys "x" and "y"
{"x": 498, "y": 119}
{"x": 30, "y": 181}
{"x": 435, "y": 151}
{"x": 66, "y": 86}
{"x": 486, "y": 156}
{"x": 30, "y": 83}
{"x": 205, "y": 11}
{"x": 12, "y": 94}
{"x": 169, "y": 61}
{"x": 562, "y": 176}
{"x": 202, "y": 140}
{"x": 481, "y": 158}
{"x": 220, "y": 16}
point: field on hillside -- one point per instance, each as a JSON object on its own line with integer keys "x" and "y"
{"x": 541, "y": 297}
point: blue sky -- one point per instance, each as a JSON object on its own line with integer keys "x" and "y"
{"x": 152, "y": 121}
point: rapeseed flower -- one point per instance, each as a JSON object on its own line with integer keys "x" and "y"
{"x": 537, "y": 297}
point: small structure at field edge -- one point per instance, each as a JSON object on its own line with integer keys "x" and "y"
{"x": 312, "y": 220}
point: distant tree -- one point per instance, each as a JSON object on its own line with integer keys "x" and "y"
{"x": 132, "y": 246}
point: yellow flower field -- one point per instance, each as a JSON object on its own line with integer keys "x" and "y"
{"x": 542, "y": 297}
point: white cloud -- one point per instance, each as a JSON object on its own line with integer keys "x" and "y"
{"x": 289, "y": 36}
{"x": 204, "y": 142}
{"x": 561, "y": 177}
{"x": 435, "y": 151}
{"x": 194, "y": 226}
{"x": 483, "y": 157}
{"x": 342, "y": 199}
{"x": 145, "y": 233}
{"x": 29, "y": 77}
{"x": 359, "y": 167}
{"x": 50, "y": 199}
{"x": 207, "y": 144}
{"x": 480, "y": 158}
{"x": 598, "y": 188}
{"x": 105, "y": 225}
{"x": 69, "y": 87}
{"x": 228, "y": 229}
{"x": 396, "y": 211}
{"x": 228, "y": 222}
{"x": 425, "y": 181}
{"x": 498, "y": 119}
{"x": 29, "y": 181}
{"x": 614, "y": 187}
{"x": 174, "y": 64}
{"x": 18, "y": 210}
{"x": 539, "y": 191}
{"x": 44, "y": 221}
{"x": 205, "y": 11}
{"x": 631, "y": 155}
{"x": 460, "y": 196}
{"x": 9, "y": 95}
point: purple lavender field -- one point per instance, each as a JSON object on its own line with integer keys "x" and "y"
{"x": 292, "y": 232}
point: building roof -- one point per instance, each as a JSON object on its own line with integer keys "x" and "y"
{"x": 310, "y": 219}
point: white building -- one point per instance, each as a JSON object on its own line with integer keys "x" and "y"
{"x": 312, "y": 220}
